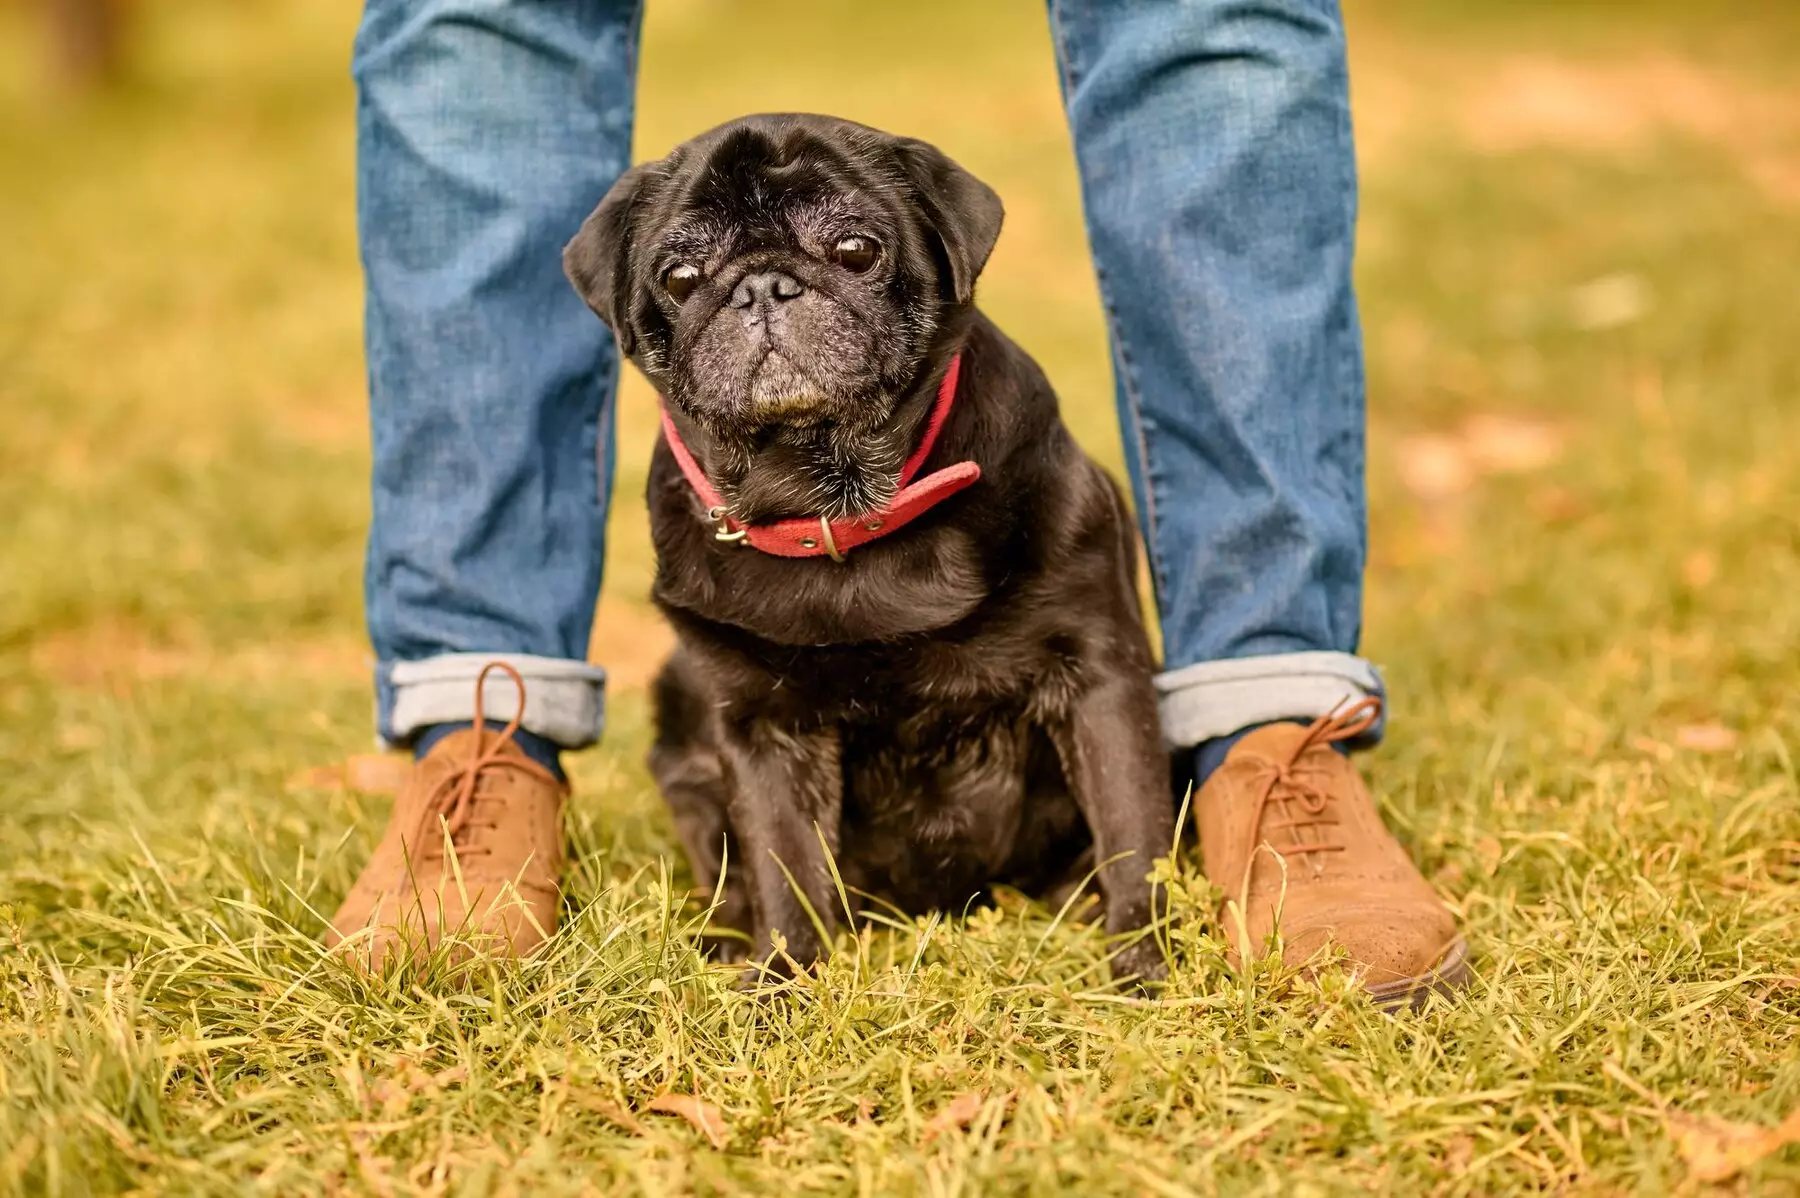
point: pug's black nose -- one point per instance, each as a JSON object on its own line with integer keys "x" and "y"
{"x": 766, "y": 286}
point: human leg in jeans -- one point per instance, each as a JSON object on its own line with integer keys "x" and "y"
{"x": 485, "y": 131}
{"x": 1218, "y": 176}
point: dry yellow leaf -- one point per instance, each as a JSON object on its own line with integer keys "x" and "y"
{"x": 1434, "y": 466}
{"x": 395, "y": 1093}
{"x": 1440, "y": 466}
{"x": 377, "y": 773}
{"x": 1501, "y": 444}
{"x": 1706, "y": 738}
{"x": 958, "y": 1112}
{"x": 370, "y": 773}
{"x": 1719, "y": 1149}
{"x": 1609, "y": 302}
{"x": 1558, "y": 505}
{"x": 1489, "y": 852}
{"x": 704, "y": 1116}
{"x": 79, "y": 736}
{"x": 1699, "y": 568}
{"x": 317, "y": 777}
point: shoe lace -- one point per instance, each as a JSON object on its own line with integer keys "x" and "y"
{"x": 1295, "y": 796}
{"x": 453, "y": 799}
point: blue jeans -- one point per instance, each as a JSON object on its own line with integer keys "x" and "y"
{"x": 1217, "y": 171}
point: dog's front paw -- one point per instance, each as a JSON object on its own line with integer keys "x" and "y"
{"x": 1140, "y": 963}
{"x": 728, "y": 947}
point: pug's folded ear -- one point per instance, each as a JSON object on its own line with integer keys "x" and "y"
{"x": 963, "y": 211}
{"x": 598, "y": 258}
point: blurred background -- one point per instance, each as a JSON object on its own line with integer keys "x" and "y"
{"x": 1579, "y": 263}
{"x": 1580, "y": 277}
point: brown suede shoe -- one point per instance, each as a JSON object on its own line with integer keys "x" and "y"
{"x": 474, "y": 847}
{"x": 1290, "y": 832}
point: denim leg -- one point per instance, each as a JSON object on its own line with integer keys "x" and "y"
{"x": 486, "y": 131}
{"x": 1218, "y": 176}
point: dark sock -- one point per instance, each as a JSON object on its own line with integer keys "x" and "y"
{"x": 1209, "y": 755}
{"x": 535, "y": 747}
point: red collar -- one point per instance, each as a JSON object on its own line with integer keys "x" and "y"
{"x": 810, "y": 537}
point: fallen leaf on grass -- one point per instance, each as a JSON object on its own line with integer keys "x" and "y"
{"x": 704, "y": 1116}
{"x": 1558, "y": 505}
{"x": 1719, "y": 1149}
{"x": 1434, "y": 466}
{"x": 372, "y": 1171}
{"x": 369, "y": 773}
{"x": 959, "y": 1112}
{"x": 377, "y": 773}
{"x": 1440, "y": 466}
{"x": 395, "y": 1093}
{"x": 76, "y": 737}
{"x": 1450, "y": 875}
{"x": 1706, "y": 738}
{"x": 1699, "y": 568}
{"x": 1489, "y": 851}
{"x": 1609, "y": 302}
{"x": 1501, "y": 444}
{"x": 317, "y": 777}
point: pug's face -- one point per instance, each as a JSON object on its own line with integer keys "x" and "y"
{"x": 785, "y": 271}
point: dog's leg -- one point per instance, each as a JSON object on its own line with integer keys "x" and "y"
{"x": 786, "y": 790}
{"x": 693, "y": 785}
{"x": 1113, "y": 757}
{"x": 691, "y": 776}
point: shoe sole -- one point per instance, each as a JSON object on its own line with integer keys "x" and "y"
{"x": 1451, "y": 973}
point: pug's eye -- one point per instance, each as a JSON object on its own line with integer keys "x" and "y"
{"x": 679, "y": 281}
{"x": 855, "y": 253}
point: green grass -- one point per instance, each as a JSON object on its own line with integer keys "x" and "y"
{"x": 182, "y": 500}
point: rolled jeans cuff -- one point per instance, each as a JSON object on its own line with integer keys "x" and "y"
{"x": 565, "y": 701}
{"x": 1217, "y": 698}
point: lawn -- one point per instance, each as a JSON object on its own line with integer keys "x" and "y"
{"x": 1580, "y": 275}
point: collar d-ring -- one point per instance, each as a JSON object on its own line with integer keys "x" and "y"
{"x": 830, "y": 541}
{"x": 725, "y": 532}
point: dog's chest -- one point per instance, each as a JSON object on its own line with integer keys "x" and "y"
{"x": 942, "y": 799}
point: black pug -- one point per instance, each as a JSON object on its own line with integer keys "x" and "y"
{"x": 942, "y": 683}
